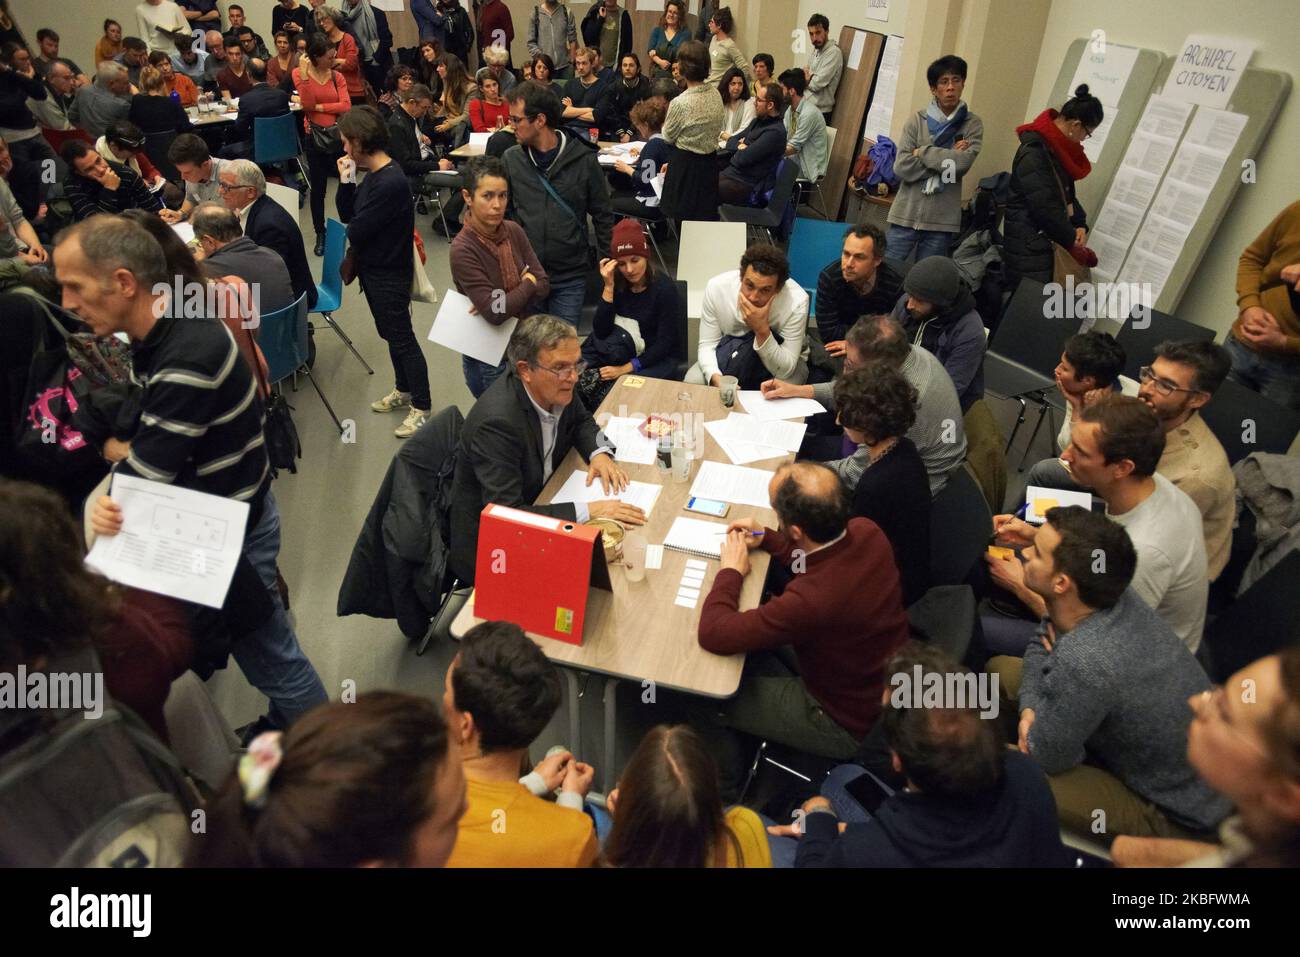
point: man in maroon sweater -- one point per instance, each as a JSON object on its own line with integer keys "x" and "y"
{"x": 841, "y": 612}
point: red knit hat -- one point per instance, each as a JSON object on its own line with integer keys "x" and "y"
{"x": 629, "y": 240}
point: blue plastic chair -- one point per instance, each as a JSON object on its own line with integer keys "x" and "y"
{"x": 275, "y": 139}
{"x": 329, "y": 291}
{"x": 282, "y": 337}
{"x": 813, "y": 244}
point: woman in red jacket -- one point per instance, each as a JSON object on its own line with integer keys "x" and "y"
{"x": 489, "y": 113}
{"x": 324, "y": 95}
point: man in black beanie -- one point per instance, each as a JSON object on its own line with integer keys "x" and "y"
{"x": 937, "y": 311}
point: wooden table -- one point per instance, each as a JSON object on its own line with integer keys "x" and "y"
{"x": 214, "y": 119}
{"x": 638, "y": 633}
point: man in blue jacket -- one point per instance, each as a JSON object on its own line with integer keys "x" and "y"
{"x": 937, "y": 311}
{"x": 969, "y": 801}
{"x": 755, "y": 151}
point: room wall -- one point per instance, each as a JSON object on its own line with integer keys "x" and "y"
{"x": 1210, "y": 298}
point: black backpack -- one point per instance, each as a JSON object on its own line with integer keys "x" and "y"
{"x": 89, "y": 792}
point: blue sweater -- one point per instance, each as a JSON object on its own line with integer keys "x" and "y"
{"x": 1013, "y": 826}
{"x": 1115, "y": 690}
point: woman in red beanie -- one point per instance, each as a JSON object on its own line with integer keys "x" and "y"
{"x": 1041, "y": 206}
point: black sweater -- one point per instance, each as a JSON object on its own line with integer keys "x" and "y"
{"x": 1015, "y": 826}
{"x": 657, "y": 311}
{"x": 15, "y": 89}
{"x": 895, "y": 494}
{"x": 381, "y": 220}
{"x": 838, "y": 306}
{"x": 755, "y": 165}
{"x": 158, "y": 114}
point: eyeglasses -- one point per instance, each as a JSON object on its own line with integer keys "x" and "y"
{"x": 517, "y": 118}
{"x": 1163, "y": 386}
{"x": 565, "y": 372}
{"x": 227, "y": 187}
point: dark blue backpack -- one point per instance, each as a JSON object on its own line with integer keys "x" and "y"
{"x": 882, "y": 165}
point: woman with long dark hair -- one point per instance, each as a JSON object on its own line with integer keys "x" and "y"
{"x": 453, "y": 114}
{"x": 323, "y": 93}
{"x": 375, "y": 783}
{"x": 736, "y": 103}
{"x": 426, "y": 67}
{"x": 1042, "y": 208}
{"x": 668, "y": 810}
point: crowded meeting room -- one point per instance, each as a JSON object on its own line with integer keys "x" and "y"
{"x": 741, "y": 434}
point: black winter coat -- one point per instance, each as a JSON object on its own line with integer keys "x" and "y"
{"x": 1036, "y": 216}
{"x": 399, "y": 564}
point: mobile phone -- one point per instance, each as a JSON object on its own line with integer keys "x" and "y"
{"x": 706, "y": 506}
{"x": 868, "y": 791}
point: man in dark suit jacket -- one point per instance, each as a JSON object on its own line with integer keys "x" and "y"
{"x": 262, "y": 100}
{"x": 404, "y": 140}
{"x": 266, "y": 223}
{"x": 518, "y": 433}
{"x": 228, "y": 252}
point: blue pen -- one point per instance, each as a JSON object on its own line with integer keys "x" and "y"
{"x": 755, "y": 534}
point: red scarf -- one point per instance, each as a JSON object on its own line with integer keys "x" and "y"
{"x": 1067, "y": 152}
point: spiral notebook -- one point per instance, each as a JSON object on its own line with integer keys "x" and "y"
{"x": 694, "y": 537}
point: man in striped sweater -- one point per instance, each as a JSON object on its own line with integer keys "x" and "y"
{"x": 200, "y": 424}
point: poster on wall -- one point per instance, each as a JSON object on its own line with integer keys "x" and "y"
{"x": 1105, "y": 68}
{"x": 881, "y": 115}
{"x": 392, "y": 6}
{"x": 878, "y": 10}
{"x": 1207, "y": 70}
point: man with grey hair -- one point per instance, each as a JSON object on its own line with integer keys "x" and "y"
{"x": 216, "y": 61}
{"x": 938, "y": 433}
{"x": 102, "y": 102}
{"x": 199, "y": 427}
{"x": 228, "y": 252}
{"x": 520, "y": 430}
{"x": 265, "y": 222}
{"x": 60, "y": 93}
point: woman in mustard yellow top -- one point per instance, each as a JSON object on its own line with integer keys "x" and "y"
{"x": 668, "y": 810}
{"x": 110, "y": 44}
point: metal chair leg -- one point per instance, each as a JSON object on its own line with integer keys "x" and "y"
{"x": 1020, "y": 420}
{"x": 328, "y": 408}
{"x": 1042, "y": 413}
{"x": 651, "y": 233}
{"x": 329, "y": 318}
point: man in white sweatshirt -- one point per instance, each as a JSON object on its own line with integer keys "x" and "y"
{"x": 754, "y": 323}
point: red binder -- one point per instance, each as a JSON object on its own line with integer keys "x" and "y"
{"x": 536, "y": 571}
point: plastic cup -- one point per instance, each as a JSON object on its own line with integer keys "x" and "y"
{"x": 634, "y": 548}
{"x": 681, "y": 463}
{"x": 728, "y": 389}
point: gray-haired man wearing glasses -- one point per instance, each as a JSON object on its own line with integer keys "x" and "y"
{"x": 520, "y": 429}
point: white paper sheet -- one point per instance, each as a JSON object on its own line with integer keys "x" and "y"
{"x": 1052, "y": 495}
{"x": 877, "y": 10}
{"x": 1106, "y": 69}
{"x": 1095, "y": 143}
{"x": 778, "y": 433}
{"x": 471, "y": 335}
{"x": 393, "y": 6}
{"x": 880, "y": 116}
{"x": 185, "y": 231}
{"x": 174, "y": 541}
{"x": 754, "y": 403}
{"x": 1216, "y": 130}
{"x": 479, "y": 140}
{"x": 854, "y": 59}
{"x": 1164, "y": 116}
{"x": 740, "y": 453}
{"x": 1207, "y": 69}
{"x": 575, "y": 489}
{"x": 732, "y": 483}
{"x": 630, "y": 444}
{"x": 685, "y": 602}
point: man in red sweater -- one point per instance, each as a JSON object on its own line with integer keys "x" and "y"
{"x": 841, "y": 613}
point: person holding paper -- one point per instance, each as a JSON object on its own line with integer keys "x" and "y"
{"x": 754, "y": 323}
{"x": 1265, "y": 339}
{"x": 161, "y": 24}
{"x": 1042, "y": 208}
{"x": 1102, "y": 691}
{"x": 938, "y": 146}
{"x": 641, "y": 200}
{"x": 520, "y": 430}
{"x": 841, "y": 613}
{"x": 492, "y": 262}
{"x": 1114, "y": 449}
{"x": 199, "y": 428}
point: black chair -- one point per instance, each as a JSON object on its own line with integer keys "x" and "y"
{"x": 1263, "y": 620}
{"x": 960, "y": 527}
{"x": 767, "y": 218}
{"x": 1237, "y": 413}
{"x": 1023, "y": 353}
{"x": 156, "y": 146}
{"x": 1139, "y": 337}
{"x": 683, "y": 356}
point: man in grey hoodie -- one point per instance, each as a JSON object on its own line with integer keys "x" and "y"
{"x": 1106, "y": 686}
{"x": 555, "y": 184}
{"x": 937, "y": 311}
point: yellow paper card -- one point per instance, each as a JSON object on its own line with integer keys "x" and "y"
{"x": 997, "y": 551}
{"x": 1041, "y": 505}
{"x": 634, "y": 381}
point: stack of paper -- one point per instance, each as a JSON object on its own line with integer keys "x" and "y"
{"x": 762, "y": 408}
{"x": 632, "y": 445}
{"x": 622, "y": 153}
{"x": 747, "y": 439}
{"x": 575, "y": 489}
{"x": 732, "y": 483}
